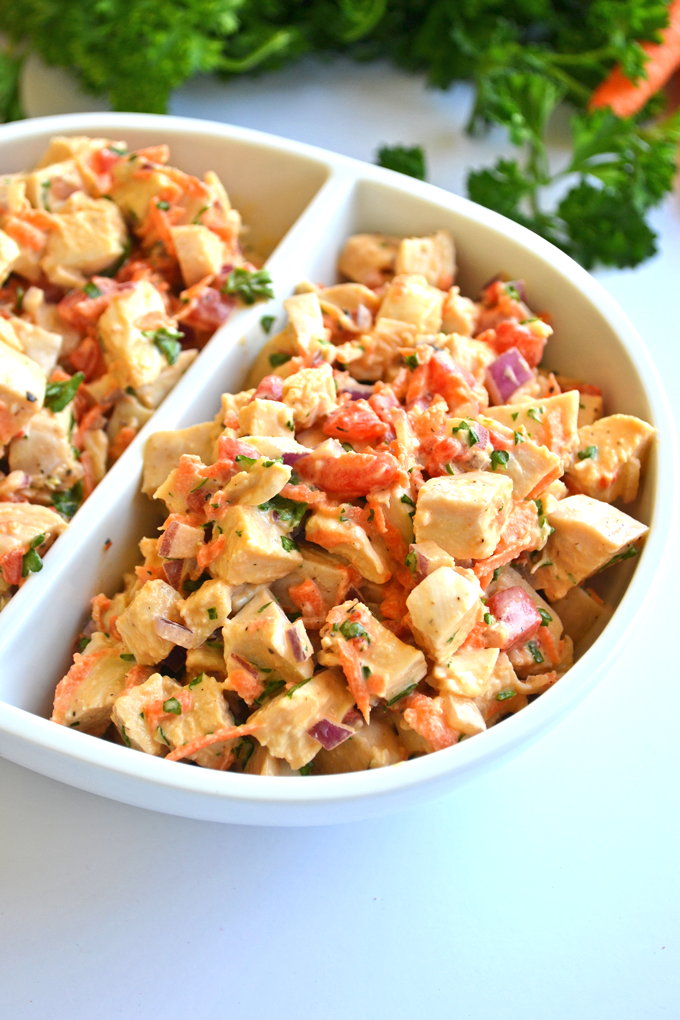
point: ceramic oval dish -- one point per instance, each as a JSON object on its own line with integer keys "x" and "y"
{"x": 301, "y": 203}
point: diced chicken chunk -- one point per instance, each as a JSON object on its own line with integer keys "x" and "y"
{"x": 377, "y": 664}
{"x": 206, "y": 609}
{"x": 9, "y": 254}
{"x": 200, "y": 710}
{"x": 347, "y": 539}
{"x": 155, "y": 601}
{"x": 464, "y": 514}
{"x": 282, "y": 724}
{"x": 22, "y": 523}
{"x": 41, "y": 345}
{"x": 255, "y": 550}
{"x": 579, "y": 610}
{"x": 87, "y": 236}
{"x": 85, "y": 697}
{"x": 432, "y": 257}
{"x": 139, "y": 716}
{"x": 467, "y": 673}
{"x": 22, "y": 391}
{"x": 305, "y": 323}
{"x": 263, "y": 763}
{"x": 411, "y": 299}
{"x": 200, "y": 252}
{"x": 463, "y": 715}
{"x": 310, "y": 394}
{"x": 262, "y": 634}
{"x": 372, "y": 746}
{"x": 163, "y": 450}
{"x": 266, "y": 418}
{"x": 44, "y": 451}
{"x": 132, "y": 357}
{"x": 610, "y": 456}
{"x": 50, "y": 186}
{"x": 589, "y": 535}
{"x": 443, "y": 610}
{"x": 330, "y": 576}
{"x": 369, "y": 258}
{"x": 260, "y": 482}
{"x": 551, "y": 422}
{"x": 459, "y": 314}
{"x": 153, "y": 393}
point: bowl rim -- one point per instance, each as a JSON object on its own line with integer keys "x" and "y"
{"x": 517, "y": 731}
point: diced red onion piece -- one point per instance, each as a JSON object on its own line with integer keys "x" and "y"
{"x": 351, "y": 717}
{"x": 513, "y": 608}
{"x": 506, "y": 374}
{"x": 364, "y": 319}
{"x": 173, "y": 572}
{"x": 175, "y": 632}
{"x": 296, "y": 645}
{"x": 329, "y": 734}
{"x": 180, "y": 541}
{"x": 292, "y": 458}
{"x": 240, "y": 663}
{"x": 354, "y": 593}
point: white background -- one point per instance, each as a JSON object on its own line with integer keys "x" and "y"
{"x": 547, "y": 890}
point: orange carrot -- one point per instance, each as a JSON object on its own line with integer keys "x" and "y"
{"x": 623, "y": 96}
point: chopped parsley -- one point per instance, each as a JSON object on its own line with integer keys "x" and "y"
{"x": 409, "y": 160}
{"x": 499, "y": 457}
{"x": 272, "y": 686}
{"x": 408, "y": 501}
{"x": 66, "y": 503}
{"x": 411, "y": 562}
{"x": 83, "y": 643}
{"x": 496, "y": 573}
{"x": 504, "y": 695}
{"x": 545, "y": 616}
{"x": 189, "y": 585}
{"x": 402, "y": 694}
{"x": 512, "y": 292}
{"x": 59, "y": 394}
{"x": 123, "y": 733}
{"x": 627, "y": 555}
{"x": 163, "y": 205}
{"x": 488, "y": 619}
{"x": 472, "y": 437}
{"x": 266, "y": 322}
{"x": 127, "y": 656}
{"x": 297, "y": 686}
{"x": 212, "y": 613}
{"x": 196, "y": 681}
{"x": 278, "y": 358}
{"x": 590, "y": 451}
{"x": 536, "y": 653}
{"x": 534, "y": 412}
{"x": 167, "y": 340}
{"x": 353, "y": 629}
{"x": 245, "y": 462}
{"x": 514, "y": 415}
{"x": 519, "y": 438}
{"x": 92, "y": 290}
{"x": 31, "y": 562}
{"x": 289, "y": 544}
{"x": 305, "y": 770}
{"x": 249, "y": 285}
{"x": 411, "y": 361}
{"x": 347, "y": 447}
{"x": 262, "y": 608}
{"x": 366, "y": 671}
{"x": 172, "y": 705}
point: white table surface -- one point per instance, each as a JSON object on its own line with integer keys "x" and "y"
{"x": 549, "y": 889}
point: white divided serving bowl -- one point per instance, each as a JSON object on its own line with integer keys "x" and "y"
{"x": 300, "y": 204}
